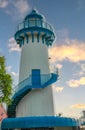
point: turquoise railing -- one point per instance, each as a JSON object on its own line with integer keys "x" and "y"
{"x": 28, "y": 81}
{"x": 25, "y": 87}
{"x": 36, "y": 23}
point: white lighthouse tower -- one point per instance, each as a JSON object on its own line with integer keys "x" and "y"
{"x": 32, "y": 105}
{"x": 34, "y": 36}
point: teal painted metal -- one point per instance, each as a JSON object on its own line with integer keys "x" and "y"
{"x": 52, "y": 80}
{"x": 47, "y": 78}
{"x": 26, "y": 89}
{"x": 34, "y": 14}
{"x": 43, "y": 37}
{"x": 82, "y": 122}
{"x": 15, "y": 100}
{"x": 38, "y": 36}
{"x": 32, "y": 37}
{"x": 27, "y": 38}
{"x": 36, "y": 78}
{"x": 45, "y": 31}
{"x": 34, "y": 22}
{"x": 38, "y": 122}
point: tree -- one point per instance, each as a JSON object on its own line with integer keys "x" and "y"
{"x": 5, "y": 83}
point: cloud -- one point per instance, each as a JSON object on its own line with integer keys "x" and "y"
{"x": 20, "y": 8}
{"x": 13, "y": 45}
{"x": 16, "y": 8}
{"x": 4, "y": 3}
{"x": 73, "y": 52}
{"x": 78, "y": 106}
{"x": 76, "y": 83}
{"x": 83, "y": 67}
{"x": 73, "y": 83}
{"x": 57, "y": 88}
{"x": 55, "y": 67}
{"x": 79, "y": 73}
{"x": 21, "y": 5}
{"x": 14, "y": 74}
{"x": 59, "y": 66}
{"x": 9, "y": 69}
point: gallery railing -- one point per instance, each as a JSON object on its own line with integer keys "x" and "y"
{"x": 45, "y": 79}
{"x": 34, "y": 23}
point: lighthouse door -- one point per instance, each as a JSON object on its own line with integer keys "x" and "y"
{"x": 36, "y": 77}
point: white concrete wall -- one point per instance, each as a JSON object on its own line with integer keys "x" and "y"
{"x": 39, "y": 102}
{"x": 33, "y": 56}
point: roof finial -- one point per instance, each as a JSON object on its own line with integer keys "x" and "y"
{"x": 34, "y": 10}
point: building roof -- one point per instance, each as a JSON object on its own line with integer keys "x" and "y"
{"x": 35, "y": 14}
{"x": 38, "y": 122}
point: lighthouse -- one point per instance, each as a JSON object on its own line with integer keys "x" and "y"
{"x": 34, "y": 36}
{"x": 32, "y": 105}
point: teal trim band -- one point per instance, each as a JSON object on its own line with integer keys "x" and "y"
{"x": 32, "y": 37}
{"x": 43, "y": 38}
{"x": 38, "y": 35}
{"x": 22, "y": 41}
{"x": 27, "y": 38}
{"x": 20, "y": 44}
{"x": 40, "y": 122}
{"x": 39, "y": 30}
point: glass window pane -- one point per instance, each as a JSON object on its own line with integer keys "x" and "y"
{"x": 38, "y": 23}
{"x": 26, "y": 24}
{"x": 32, "y": 22}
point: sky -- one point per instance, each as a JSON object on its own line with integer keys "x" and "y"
{"x": 67, "y": 53}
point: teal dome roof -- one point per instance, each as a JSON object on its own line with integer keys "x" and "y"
{"x": 34, "y": 14}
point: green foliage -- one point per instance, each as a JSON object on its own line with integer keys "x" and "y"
{"x": 5, "y": 82}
